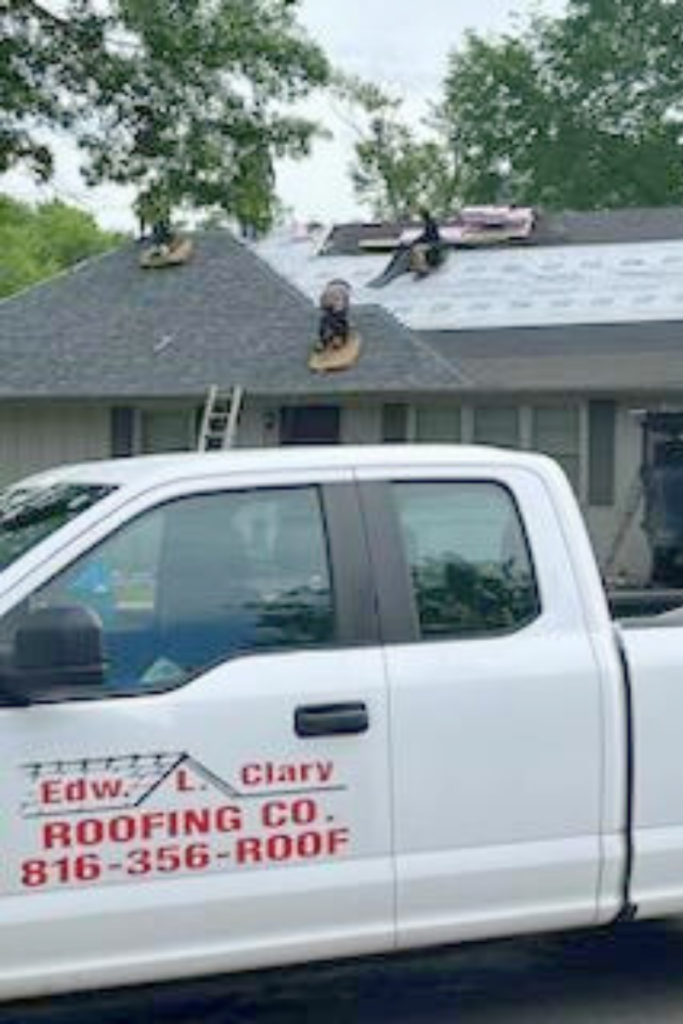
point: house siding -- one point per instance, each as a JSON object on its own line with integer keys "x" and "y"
{"x": 36, "y": 436}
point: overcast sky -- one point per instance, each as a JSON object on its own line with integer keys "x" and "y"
{"x": 402, "y": 43}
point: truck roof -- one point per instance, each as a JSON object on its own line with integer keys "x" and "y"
{"x": 159, "y": 469}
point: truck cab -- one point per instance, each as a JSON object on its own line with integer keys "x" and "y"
{"x": 259, "y": 708}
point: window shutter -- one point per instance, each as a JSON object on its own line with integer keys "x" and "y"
{"x": 394, "y": 423}
{"x": 122, "y": 431}
{"x": 602, "y": 452}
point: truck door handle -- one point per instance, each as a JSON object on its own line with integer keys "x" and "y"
{"x": 331, "y": 719}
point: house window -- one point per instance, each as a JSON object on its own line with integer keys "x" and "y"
{"x": 497, "y": 425}
{"x": 168, "y": 431}
{"x": 556, "y": 432}
{"x": 435, "y": 424}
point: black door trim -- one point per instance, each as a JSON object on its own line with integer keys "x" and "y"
{"x": 354, "y": 591}
{"x": 396, "y": 606}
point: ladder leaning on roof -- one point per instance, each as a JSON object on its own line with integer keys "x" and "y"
{"x": 220, "y": 419}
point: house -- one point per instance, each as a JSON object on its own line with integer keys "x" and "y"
{"x": 557, "y": 344}
{"x": 563, "y": 344}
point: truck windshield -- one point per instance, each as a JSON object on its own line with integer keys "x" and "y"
{"x": 30, "y": 514}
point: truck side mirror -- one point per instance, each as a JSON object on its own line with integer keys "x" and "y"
{"x": 58, "y": 649}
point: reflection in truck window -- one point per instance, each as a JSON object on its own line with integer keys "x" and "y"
{"x": 468, "y": 558}
{"x": 30, "y": 514}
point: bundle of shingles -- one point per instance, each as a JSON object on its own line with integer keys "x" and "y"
{"x": 483, "y": 225}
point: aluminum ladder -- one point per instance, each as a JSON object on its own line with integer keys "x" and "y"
{"x": 220, "y": 419}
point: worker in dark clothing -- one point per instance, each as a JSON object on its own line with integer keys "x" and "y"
{"x": 430, "y": 233}
{"x": 334, "y": 329}
{"x": 426, "y": 251}
{"x": 423, "y": 255}
{"x": 162, "y": 234}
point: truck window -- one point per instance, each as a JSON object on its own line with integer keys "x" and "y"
{"x": 468, "y": 558}
{"x": 202, "y": 579}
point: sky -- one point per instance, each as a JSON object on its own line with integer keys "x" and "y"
{"x": 399, "y": 43}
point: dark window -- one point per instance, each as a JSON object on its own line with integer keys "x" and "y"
{"x": 30, "y": 514}
{"x": 468, "y": 558}
{"x": 602, "y": 445}
{"x": 203, "y": 579}
{"x": 394, "y": 423}
{"x": 122, "y": 431}
{"x": 313, "y": 424}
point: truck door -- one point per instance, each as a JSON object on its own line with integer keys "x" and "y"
{"x": 221, "y": 798}
{"x": 495, "y": 707}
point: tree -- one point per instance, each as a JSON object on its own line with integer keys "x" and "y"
{"x": 582, "y": 111}
{"x": 576, "y": 112}
{"x": 496, "y": 116}
{"x": 188, "y": 102}
{"x": 48, "y": 71}
{"x": 396, "y": 171}
{"x": 38, "y": 242}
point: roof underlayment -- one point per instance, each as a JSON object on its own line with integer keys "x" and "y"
{"x": 525, "y": 286}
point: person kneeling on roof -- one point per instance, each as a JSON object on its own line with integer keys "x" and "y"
{"x": 334, "y": 328}
{"x": 426, "y": 252}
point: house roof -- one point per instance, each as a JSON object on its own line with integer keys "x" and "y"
{"x": 607, "y": 358}
{"x": 526, "y": 286}
{"x": 108, "y": 328}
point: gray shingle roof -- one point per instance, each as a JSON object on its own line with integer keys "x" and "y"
{"x": 610, "y": 227}
{"x": 110, "y": 329}
{"x": 631, "y": 358}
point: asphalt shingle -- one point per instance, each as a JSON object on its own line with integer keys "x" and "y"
{"x": 631, "y": 358}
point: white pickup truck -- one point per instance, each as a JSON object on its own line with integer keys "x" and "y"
{"x": 268, "y": 707}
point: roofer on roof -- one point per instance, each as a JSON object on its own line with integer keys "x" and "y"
{"x": 426, "y": 252}
{"x": 333, "y": 331}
